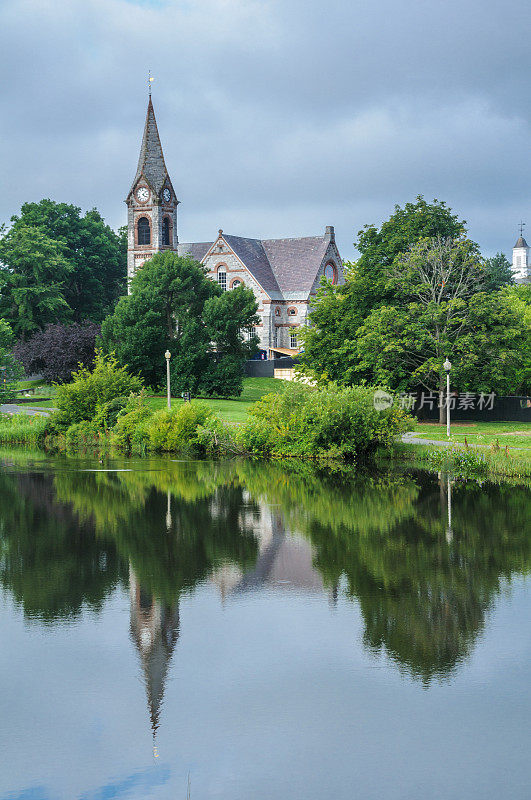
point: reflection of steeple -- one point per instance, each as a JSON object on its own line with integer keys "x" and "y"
{"x": 284, "y": 561}
{"x": 154, "y": 629}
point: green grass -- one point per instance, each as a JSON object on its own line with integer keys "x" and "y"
{"x": 510, "y": 434}
{"x": 231, "y": 409}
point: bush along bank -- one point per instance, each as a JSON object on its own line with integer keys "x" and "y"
{"x": 468, "y": 463}
{"x": 107, "y": 407}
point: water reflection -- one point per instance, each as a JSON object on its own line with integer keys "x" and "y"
{"x": 423, "y": 558}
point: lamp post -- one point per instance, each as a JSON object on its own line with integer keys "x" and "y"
{"x": 167, "y": 356}
{"x": 447, "y": 366}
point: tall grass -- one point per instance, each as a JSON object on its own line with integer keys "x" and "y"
{"x": 471, "y": 462}
{"x": 22, "y": 429}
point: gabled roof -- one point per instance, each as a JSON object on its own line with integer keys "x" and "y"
{"x": 251, "y": 253}
{"x": 286, "y": 269}
{"x": 295, "y": 262}
{"x": 151, "y": 164}
{"x": 521, "y": 242}
{"x": 197, "y": 250}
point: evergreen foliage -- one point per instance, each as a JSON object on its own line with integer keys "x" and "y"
{"x": 174, "y": 306}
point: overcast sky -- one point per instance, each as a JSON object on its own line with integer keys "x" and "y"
{"x": 277, "y": 117}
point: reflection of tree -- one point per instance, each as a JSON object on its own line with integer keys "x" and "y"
{"x": 423, "y": 595}
{"x": 52, "y": 564}
{"x": 206, "y": 526}
{"x": 424, "y": 599}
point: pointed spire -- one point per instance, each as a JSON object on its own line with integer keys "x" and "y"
{"x": 151, "y": 164}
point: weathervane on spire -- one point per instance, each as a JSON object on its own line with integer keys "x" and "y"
{"x": 150, "y": 81}
{"x": 522, "y": 226}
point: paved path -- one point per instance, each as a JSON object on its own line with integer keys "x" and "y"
{"x": 11, "y": 408}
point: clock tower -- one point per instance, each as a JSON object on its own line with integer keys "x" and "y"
{"x": 151, "y": 202}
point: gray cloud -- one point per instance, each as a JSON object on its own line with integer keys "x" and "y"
{"x": 277, "y": 116}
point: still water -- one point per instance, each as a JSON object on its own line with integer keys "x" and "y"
{"x": 241, "y": 631}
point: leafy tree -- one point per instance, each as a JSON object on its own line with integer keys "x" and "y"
{"x": 498, "y": 273}
{"x": 95, "y": 253}
{"x": 405, "y": 347}
{"x": 10, "y": 369}
{"x": 169, "y": 308}
{"x": 369, "y": 276}
{"x": 56, "y": 351}
{"x": 33, "y": 273}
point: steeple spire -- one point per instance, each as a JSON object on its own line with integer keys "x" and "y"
{"x": 151, "y": 164}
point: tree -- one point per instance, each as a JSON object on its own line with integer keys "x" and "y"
{"x": 369, "y": 277}
{"x": 498, "y": 273}
{"x": 169, "y": 308}
{"x": 95, "y": 253}
{"x": 58, "y": 350}
{"x": 33, "y": 273}
{"x": 10, "y": 369}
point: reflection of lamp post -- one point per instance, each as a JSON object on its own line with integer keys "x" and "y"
{"x": 447, "y": 367}
{"x": 449, "y": 531}
{"x": 167, "y": 356}
{"x": 168, "y": 512}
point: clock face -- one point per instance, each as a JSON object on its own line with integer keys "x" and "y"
{"x": 142, "y": 194}
{"x": 166, "y": 194}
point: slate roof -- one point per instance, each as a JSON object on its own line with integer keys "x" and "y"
{"x": 295, "y": 262}
{"x": 151, "y": 162}
{"x": 285, "y": 268}
{"x": 521, "y": 242}
{"x": 197, "y": 250}
{"x": 253, "y": 255}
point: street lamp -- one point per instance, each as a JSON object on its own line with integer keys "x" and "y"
{"x": 447, "y": 366}
{"x": 167, "y": 356}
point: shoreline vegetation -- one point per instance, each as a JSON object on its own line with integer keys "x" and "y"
{"x": 106, "y": 409}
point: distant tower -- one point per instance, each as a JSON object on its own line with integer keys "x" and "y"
{"x": 521, "y": 262}
{"x": 151, "y": 202}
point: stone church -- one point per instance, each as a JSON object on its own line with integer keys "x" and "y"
{"x": 283, "y": 273}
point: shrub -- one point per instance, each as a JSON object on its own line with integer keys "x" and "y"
{"x": 129, "y": 428}
{"x": 90, "y": 394}
{"x": 217, "y": 437}
{"x": 177, "y": 429}
{"x": 10, "y": 369}
{"x": 58, "y": 350}
{"x": 329, "y": 422}
{"x": 82, "y": 434}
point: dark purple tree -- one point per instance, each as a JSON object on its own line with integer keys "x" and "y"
{"x": 56, "y": 351}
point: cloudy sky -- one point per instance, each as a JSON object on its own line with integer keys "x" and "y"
{"x": 277, "y": 117}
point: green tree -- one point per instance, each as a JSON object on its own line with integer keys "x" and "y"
{"x": 369, "y": 276}
{"x": 498, "y": 273}
{"x": 170, "y": 308}
{"x": 95, "y": 253}
{"x": 33, "y": 273}
{"x": 10, "y": 369}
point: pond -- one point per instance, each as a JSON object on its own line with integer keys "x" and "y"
{"x": 232, "y": 630}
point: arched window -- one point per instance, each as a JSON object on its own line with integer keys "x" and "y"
{"x": 144, "y": 231}
{"x": 330, "y": 272}
{"x": 222, "y": 277}
{"x": 292, "y": 312}
{"x": 277, "y": 311}
{"x": 166, "y": 232}
{"x": 235, "y": 283}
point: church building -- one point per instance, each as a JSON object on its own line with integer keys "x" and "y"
{"x": 283, "y": 273}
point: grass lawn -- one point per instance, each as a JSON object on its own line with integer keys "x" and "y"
{"x": 231, "y": 410}
{"x": 235, "y": 409}
{"x": 510, "y": 434}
